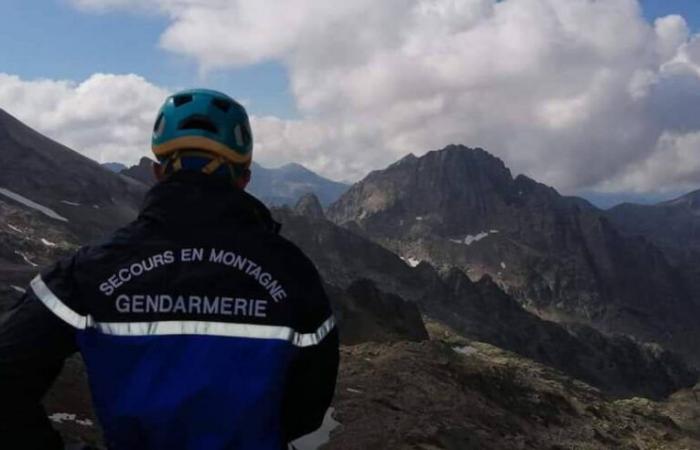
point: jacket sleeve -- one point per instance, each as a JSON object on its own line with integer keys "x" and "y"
{"x": 312, "y": 378}
{"x": 34, "y": 342}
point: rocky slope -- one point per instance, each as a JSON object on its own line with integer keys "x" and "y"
{"x": 51, "y": 200}
{"x": 73, "y": 191}
{"x": 483, "y": 311}
{"x": 433, "y": 395}
{"x": 559, "y": 256}
{"x": 366, "y": 314}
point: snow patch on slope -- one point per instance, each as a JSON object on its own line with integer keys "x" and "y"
{"x": 470, "y": 239}
{"x": 48, "y": 243}
{"x": 319, "y": 437}
{"x": 66, "y": 417}
{"x": 413, "y": 262}
{"x": 26, "y": 259}
{"x": 26, "y": 202}
{"x": 14, "y": 228}
{"x": 466, "y": 350}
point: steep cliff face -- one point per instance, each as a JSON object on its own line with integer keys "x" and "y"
{"x": 559, "y": 256}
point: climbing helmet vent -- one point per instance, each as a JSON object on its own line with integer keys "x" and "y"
{"x": 180, "y": 100}
{"x": 222, "y": 104}
{"x": 159, "y": 125}
{"x": 199, "y": 123}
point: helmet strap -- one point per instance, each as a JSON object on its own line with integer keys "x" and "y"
{"x": 177, "y": 162}
{"x": 213, "y": 166}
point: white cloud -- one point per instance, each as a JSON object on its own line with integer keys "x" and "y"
{"x": 577, "y": 93}
{"x": 106, "y": 117}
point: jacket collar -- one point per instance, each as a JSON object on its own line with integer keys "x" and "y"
{"x": 191, "y": 198}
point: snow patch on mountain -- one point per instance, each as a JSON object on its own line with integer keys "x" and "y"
{"x": 411, "y": 261}
{"x": 26, "y": 202}
{"x": 26, "y": 259}
{"x": 319, "y": 437}
{"x": 66, "y": 202}
{"x": 466, "y": 350}
{"x": 67, "y": 417}
{"x": 470, "y": 239}
{"x": 48, "y": 243}
{"x": 18, "y": 289}
{"x": 14, "y": 228}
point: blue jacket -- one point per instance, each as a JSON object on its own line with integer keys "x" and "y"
{"x": 200, "y": 327}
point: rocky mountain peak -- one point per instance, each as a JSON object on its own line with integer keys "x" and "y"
{"x": 309, "y": 205}
{"x": 446, "y": 191}
{"x": 142, "y": 171}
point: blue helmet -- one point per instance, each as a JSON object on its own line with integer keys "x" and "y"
{"x": 203, "y": 120}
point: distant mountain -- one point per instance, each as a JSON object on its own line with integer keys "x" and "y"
{"x": 605, "y": 200}
{"x": 559, "y": 256}
{"x": 673, "y": 225}
{"x": 114, "y": 167}
{"x": 143, "y": 171}
{"x": 281, "y": 186}
{"x": 287, "y": 184}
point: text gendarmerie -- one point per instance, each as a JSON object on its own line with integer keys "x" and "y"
{"x": 191, "y": 304}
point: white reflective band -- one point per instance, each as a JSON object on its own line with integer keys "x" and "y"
{"x": 307, "y": 340}
{"x": 48, "y": 298}
{"x": 216, "y": 329}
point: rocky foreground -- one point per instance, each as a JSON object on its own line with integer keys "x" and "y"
{"x": 430, "y": 396}
{"x": 449, "y": 393}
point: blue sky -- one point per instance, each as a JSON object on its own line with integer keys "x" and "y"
{"x": 52, "y": 39}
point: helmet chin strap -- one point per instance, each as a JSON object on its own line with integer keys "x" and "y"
{"x": 213, "y": 166}
{"x": 238, "y": 178}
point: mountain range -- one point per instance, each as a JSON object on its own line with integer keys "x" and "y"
{"x": 560, "y": 257}
{"x": 522, "y": 316}
{"x": 280, "y": 186}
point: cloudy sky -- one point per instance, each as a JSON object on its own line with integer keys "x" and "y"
{"x": 586, "y": 95}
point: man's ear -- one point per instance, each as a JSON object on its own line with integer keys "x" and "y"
{"x": 158, "y": 171}
{"x": 242, "y": 181}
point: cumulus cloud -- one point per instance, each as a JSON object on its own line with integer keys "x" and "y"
{"x": 582, "y": 94}
{"x": 106, "y": 117}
